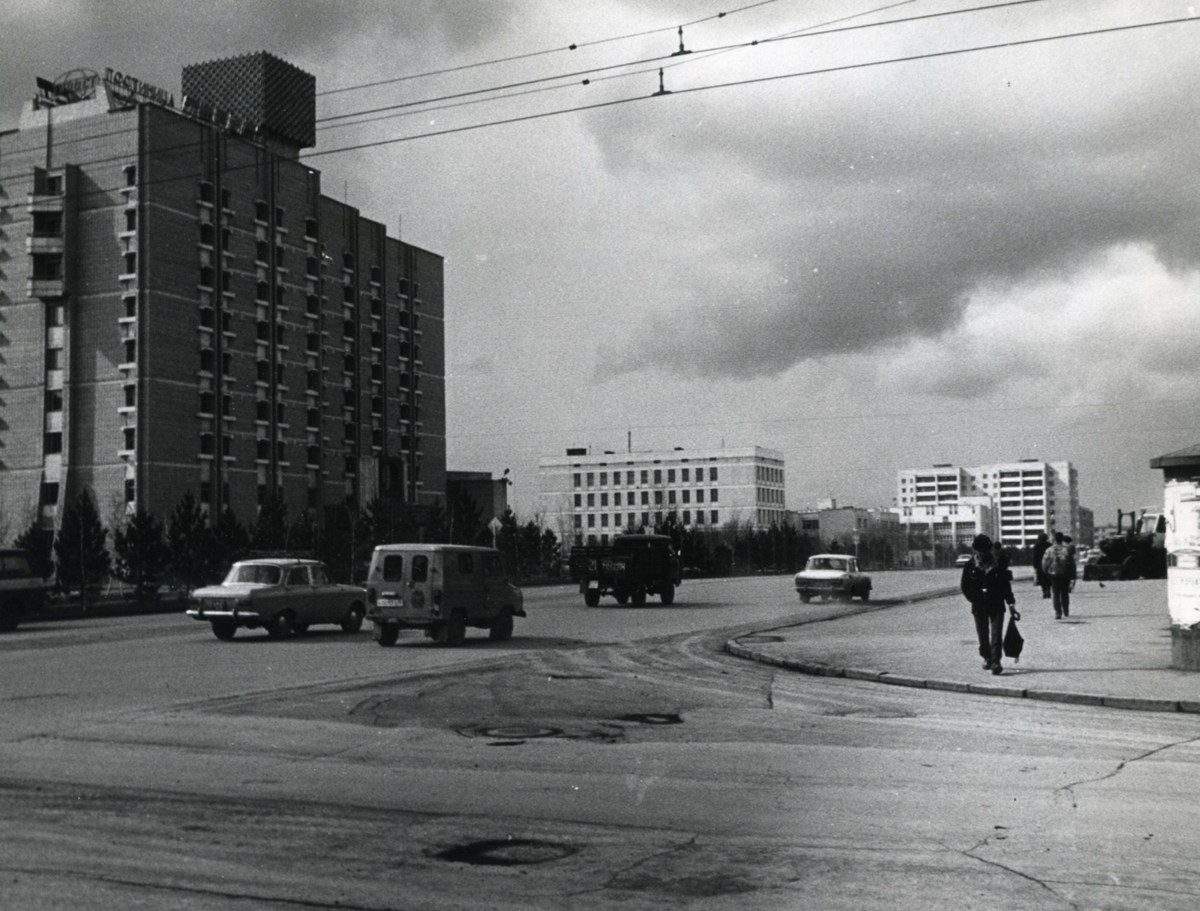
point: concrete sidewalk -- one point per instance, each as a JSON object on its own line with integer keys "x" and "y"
{"x": 1114, "y": 650}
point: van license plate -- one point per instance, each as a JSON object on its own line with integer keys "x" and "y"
{"x": 390, "y": 602}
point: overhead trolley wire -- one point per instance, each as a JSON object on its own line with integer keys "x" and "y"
{"x": 930, "y": 55}
{"x": 404, "y": 109}
{"x": 542, "y": 53}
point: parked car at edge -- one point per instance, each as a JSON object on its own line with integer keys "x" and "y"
{"x": 22, "y": 590}
{"x": 442, "y": 589}
{"x": 281, "y": 595}
{"x": 832, "y": 576}
{"x": 962, "y": 559}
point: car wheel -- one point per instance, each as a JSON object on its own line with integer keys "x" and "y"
{"x": 281, "y": 625}
{"x": 353, "y": 620}
{"x": 622, "y": 597}
{"x": 639, "y": 598}
{"x": 591, "y": 597}
{"x": 387, "y": 635}
{"x": 502, "y": 627}
{"x": 667, "y": 596}
{"x": 224, "y": 629}
{"x": 805, "y": 597}
{"x": 866, "y": 594}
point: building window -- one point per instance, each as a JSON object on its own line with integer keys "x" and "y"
{"x": 131, "y": 396}
{"x": 130, "y": 263}
{"x": 714, "y": 518}
{"x": 130, "y": 437}
{"x": 130, "y": 350}
{"x": 310, "y": 228}
{"x": 712, "y": 496}
{"x": 262, "y": 212}
{"x": 131, "y": 219}
{"x": 578, "y": 501}
{"x": 54, "y": 400}
{"x": 130, "y": 175}
{"x": 49, "y": 493}
{"x": 206, "y": 191}
{"x": 591, "y": 500}
{"x": 712, "y": 474}
{"x": 130, "y": 490}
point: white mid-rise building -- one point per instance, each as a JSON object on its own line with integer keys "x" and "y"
{"x": 1011, "y": 501}
{"x": 589, "y": 498}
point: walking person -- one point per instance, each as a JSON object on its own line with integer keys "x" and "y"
{"x": 987, "y": 584}
{"x": 1058, "y": 564}
{"x": 1040, "y": 546}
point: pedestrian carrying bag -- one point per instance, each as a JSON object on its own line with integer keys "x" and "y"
{"x": 1013, "y": 640}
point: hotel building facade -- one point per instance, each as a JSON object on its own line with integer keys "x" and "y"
{"x": 1010, "y": 501}
{"x": 588, "y": 499}
{"x": 183, "y": 309}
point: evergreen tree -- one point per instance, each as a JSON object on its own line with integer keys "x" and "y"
{"x": 271, "y": 528}
{"x": 232, "y": 542}
{"x": 194, "y": 557}
{"x": 142, "y": 555}
{"x": 466, "y": 520}
{"x": 40, "y": 545}
{"x": 79, "y": 549}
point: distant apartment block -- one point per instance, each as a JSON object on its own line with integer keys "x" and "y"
{"x": 1010, "y": 501}
{"x": 589, "y": 498}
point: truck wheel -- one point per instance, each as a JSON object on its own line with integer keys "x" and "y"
{"x": 866, "y": 594}
{"x": 502, "y": 627}
{"x": 668, "y": 593}
{"x": 387, "y": 635}
{"x": 453, "y": 632}
{"x": 591, "y": 597}
{"x": 622, "y": 597}
{"x": 224, "y": 629}
{"x": 639, "y": 598}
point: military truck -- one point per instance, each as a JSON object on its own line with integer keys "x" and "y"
{"x": 629, "y": 569}
{"x": 1138, "y": 553}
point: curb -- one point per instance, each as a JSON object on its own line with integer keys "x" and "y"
{"x": 816, "y": 669}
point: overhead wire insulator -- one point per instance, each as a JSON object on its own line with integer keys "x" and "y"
{"x": 662, "y": 90}
{"x": 682, "y": 49}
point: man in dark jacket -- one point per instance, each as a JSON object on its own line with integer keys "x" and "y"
{"x": 1059, "y": 565}
{"x": 987, "y": 584}
{"x": 1039, "y": 550}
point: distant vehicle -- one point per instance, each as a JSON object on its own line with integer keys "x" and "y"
{"x": 962, "y": 559}
{"x": 1138, "y": 553}
{"x": 629, "y": 569}
{"x": 832, "y": 576}
{"x": 442, "y": 589}
{"x": 22, "y": 590}
{"x": 282, "y": 596}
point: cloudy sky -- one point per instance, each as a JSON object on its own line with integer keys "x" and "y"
{"x": 968, "y": 238}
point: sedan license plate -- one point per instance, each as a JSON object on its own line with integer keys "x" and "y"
{"x": 390, "y": 602}
{"x": 593, "y": 583}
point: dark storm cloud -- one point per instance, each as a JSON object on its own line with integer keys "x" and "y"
{"x": 875, "y": 222}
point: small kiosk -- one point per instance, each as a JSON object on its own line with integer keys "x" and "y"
{"x": 1181, "y": 505}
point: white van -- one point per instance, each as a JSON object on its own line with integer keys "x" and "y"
{"x": 442, "y": 589}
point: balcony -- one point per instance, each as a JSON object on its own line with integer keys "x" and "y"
{"x": 46, "y": 288}
{"x": 45, "y": 243}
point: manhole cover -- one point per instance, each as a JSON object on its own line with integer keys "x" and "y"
{"x": 506, "y": 852}
{"x": 513, "y": 732}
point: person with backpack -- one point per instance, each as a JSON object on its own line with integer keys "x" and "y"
{"x": 1059, "y": 565}
{"x": 987, "y": 584}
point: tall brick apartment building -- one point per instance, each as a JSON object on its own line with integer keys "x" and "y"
{"x": 182, "y": 309}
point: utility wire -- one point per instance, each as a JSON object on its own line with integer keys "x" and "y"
{"x": 736, "y": 83}
{"x": 931, "y": 55}
{"x": 542, "y": 53}
{"x": 804, "y": 33}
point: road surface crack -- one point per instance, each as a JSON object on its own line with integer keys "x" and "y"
{"x": 1069, "y": 789}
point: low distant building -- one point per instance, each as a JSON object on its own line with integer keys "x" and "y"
{"x": 489, "y": 493}
{"x": 588, "y": 498}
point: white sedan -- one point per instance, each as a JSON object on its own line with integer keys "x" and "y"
{"x": 832, "y": 576}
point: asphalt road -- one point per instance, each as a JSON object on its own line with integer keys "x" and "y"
{"x": 606, "y": 757}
